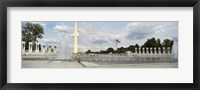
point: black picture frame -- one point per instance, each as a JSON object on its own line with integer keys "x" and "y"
{"x": 99, "y": 3}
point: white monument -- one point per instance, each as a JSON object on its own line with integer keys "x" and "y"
{"x": 143, "y": 50}
{"x": 155, "y": 51}
{"x": 164, "y": 51}
{"x": 175, "y": 49}
{"x": 23, "y": 47}
{"x": 75, "y": 38}
{"x": 43, "y": 48}
{"x": 139, "y": 51}
{"x": 151, "y": 50}
{"x": 168, "y": 50}
{"x": 37, "y": 47}
{"x": 30, "y": 47}
{"x": 136, "y": 50}
{"x": 159, "y": 50}
{"x": 147, "y": 50}
{"x": 49, "y": 48}
{"x": 55, "y": 48}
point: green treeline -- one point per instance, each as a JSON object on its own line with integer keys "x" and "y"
{"x": 150, "y": 43}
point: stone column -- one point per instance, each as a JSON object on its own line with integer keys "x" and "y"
{"x": 43, "y": 48}
{"x": 139, "y": 51}
{"x": 55, "y": 48}
{"x": 164, "y": 52}
{"x": 143, "y": 50}
{"x": 159, "y": 50}
{"x": 37, "y": 47}
{"x": 30, "y": 47}
{"x": 168, "y": 50}
{"x": 23, "y": 47}
{"x": 49, "y": 48}
{"x": 151, "y": 51}
{"x": 147, "y": 50}
{"x": 155, "y": 50}
{"x": 136, "y": 50}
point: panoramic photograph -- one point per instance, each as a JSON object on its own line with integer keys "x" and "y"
{"x": 99, "y": 44}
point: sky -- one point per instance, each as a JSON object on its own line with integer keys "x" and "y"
{"x": 98, "y": 36}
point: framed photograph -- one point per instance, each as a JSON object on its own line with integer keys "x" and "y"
{"x": 73, "y": 44}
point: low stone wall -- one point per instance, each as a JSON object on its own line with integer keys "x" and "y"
{"x": 39, "y": 56}
{"x": 137, "y": 58}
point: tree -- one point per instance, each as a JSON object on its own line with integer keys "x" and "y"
{"x": 158, "y": 42}
{"x": 110, "y": 50}
{"x": 151, "y": 43}
{"x": 89, "y": 51}
{"x": 131, "y": 48}
{"x": 168, "y": 43}
{"x": 31, "y": 32}
{"x": 121, "y": 50}
{"x": 137, "y": 46}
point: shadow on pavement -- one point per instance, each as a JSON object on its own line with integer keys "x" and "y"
{"x": 82, "y": 64}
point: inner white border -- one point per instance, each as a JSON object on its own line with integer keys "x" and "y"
{"x": 183, "y": 74}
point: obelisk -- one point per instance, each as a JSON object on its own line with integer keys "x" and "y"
{"x": 75, "y": 38}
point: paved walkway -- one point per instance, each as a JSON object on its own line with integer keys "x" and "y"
{"x": 141, "y": 65}
{"x": 49, "y": 64}
{"x": 70, "y": 64}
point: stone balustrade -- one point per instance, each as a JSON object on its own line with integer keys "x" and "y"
{"x": 141, "y": 55}
{"x": 152, "y": 50}
{"x": 39, "y": 48}
{"x": 124, "y": 58}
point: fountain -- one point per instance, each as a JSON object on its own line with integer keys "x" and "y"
{"x": 175, "y": 50}
{"x": 64, "y": 48}
{"x": 64, "y": 51}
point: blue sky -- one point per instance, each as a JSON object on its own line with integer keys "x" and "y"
{"x": 101, "y": 35}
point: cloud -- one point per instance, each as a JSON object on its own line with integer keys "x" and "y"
{"x": 50, "y": 40}
{"x": 62, "y": 28}
{"x": 100, "y": 37}
{"x": 144, "y": 30}
{"x": 41, "y": 23}
{"x": 99, "y": 41}
{"x": 139, "y": 31}
{"x": 175, "y": 39}
{"x": 95, "y": 35}
{"x": 134, "y": 23}
{"x": 82, "y": 48}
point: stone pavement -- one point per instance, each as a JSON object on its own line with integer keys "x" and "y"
{"x": 72, "y": 64}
